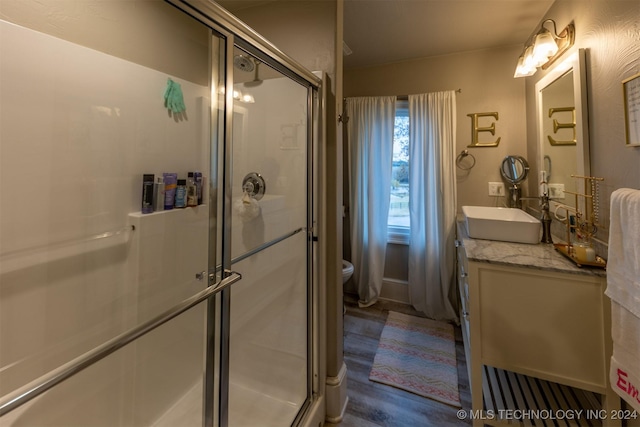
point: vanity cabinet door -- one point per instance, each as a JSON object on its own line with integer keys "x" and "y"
{"x": 463, "y": 285}
{"x": 463, "y": 292}
{"x": 463, "y": 273}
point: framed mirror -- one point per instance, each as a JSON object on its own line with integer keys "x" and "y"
{"x": 563, "y": 134}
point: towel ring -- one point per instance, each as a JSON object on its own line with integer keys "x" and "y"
{"x": 461, "y": 156}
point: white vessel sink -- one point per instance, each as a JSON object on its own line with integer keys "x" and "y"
{"x": 506, "y": 224}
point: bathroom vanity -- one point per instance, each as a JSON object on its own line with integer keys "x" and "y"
{"x": 537, "y": 334}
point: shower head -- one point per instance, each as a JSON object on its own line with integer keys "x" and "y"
{"x": 256, "y": 80}
{"x": 243, "y": 63}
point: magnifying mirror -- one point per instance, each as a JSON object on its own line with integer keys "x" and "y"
{"x": 514, "y": 169}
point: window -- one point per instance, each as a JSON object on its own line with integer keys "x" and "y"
{"x": 398, "y": 221}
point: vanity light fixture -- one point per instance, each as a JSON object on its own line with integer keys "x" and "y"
{"x": 544, "y": 49}
{"x": 243, "y": 97}
{"x": 239, "y": 96}
{"x": 248, "y": 98}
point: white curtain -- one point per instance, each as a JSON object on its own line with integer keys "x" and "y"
{"x": 432, "y": 204}
{"x": 370, "y": 138}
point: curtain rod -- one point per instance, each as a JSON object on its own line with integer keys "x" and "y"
{"x": 406, "y": 97}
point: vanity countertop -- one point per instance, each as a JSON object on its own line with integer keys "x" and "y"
{"x": 539, "y": 256}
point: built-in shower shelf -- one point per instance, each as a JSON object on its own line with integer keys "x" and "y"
{"x": 190, "y": 219}
{"x": 512, "y": 399}
{"x": 173, "y": 211}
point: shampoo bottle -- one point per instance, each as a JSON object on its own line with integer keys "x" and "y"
{"x": 192, "y": 191}
{"x": 181, "y": 194}
{"x": 198, "y": 179}
{"x": 147, "y": 193}
{"x": 158, "y": 194}
{"x": 170, "y": 182}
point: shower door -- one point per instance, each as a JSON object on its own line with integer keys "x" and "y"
{"x": 109, "y": 316}
{"x": 269, "y": 309}
{"x": 103, "y": 308}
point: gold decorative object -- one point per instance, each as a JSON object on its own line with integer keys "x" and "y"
{"x": 564, "y": 125}
{"x": 475, "y": 129}
{"x": 631, "y": 92}
{"x": 587, "y": 222}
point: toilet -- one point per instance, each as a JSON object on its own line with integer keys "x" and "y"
{"x": 347, "y": 271}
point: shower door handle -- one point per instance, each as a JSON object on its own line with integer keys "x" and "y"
{"x": 230, "y": 278}
{"x": 55, "y": 377}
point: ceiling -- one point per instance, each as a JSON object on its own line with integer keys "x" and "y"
{"x": 383, "y": 31}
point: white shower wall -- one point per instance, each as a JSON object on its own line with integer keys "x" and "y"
{"x": 79, "y": 263}
{"x": 78, "y": 129}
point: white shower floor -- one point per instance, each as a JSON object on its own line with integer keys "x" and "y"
{"x": 255, "y": 409}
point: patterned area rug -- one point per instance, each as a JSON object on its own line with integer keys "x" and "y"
{"x": 418, "y": 355}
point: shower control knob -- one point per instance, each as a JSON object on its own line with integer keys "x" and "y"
{"x": 253, "y": 184}
{"x": 248, "y": 187}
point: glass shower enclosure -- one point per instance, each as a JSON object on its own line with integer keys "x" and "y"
{"x": 191, "y": 316}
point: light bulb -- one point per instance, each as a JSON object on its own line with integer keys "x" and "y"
{"x": 525, "y": 66}
{"x": 544, "y": 47}
{"x": 522, "y": 70}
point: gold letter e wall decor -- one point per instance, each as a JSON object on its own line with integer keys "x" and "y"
{"x": 563, "y": 125}
{"x": 476, "y": 129}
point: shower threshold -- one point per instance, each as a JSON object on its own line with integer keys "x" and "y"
{"x": 264, "y": 410}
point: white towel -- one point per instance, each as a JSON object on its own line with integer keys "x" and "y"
{"x": 623, "y": 260}
{"x": 623, "y": 290}
{"x": 623, "y": 287}
{"x": 625, "y": 383}
{"x": 626, "y": 338}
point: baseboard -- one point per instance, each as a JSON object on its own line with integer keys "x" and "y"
{"x": 395, "y": 290}
{"x": 336, "y": 396}
{"x": 392, "y": 290}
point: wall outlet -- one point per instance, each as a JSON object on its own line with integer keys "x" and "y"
{"x": 496, "y": 189}
{"x": 556, "y": 191}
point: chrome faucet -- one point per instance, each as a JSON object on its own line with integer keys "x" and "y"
{"x": 545, "y": 217}
{"x": 515, "y": 196}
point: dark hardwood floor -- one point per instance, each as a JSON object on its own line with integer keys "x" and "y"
{"x": 373, "y": 404}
